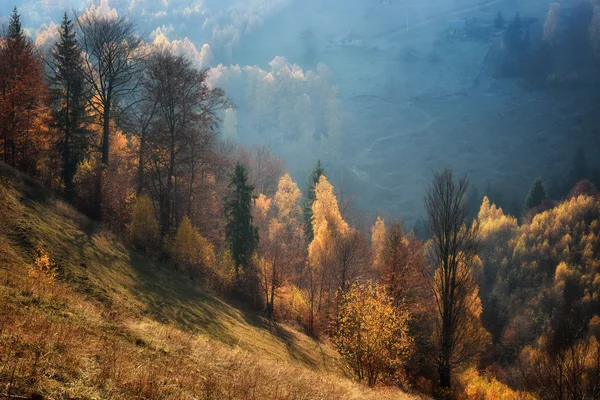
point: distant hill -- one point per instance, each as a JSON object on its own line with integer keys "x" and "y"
{"x": 83, "y": 316}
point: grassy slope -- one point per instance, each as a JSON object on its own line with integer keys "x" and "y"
{"x": 117, "y": 324}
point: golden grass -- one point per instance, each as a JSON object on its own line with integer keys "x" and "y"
{"x": 117, "y": 324}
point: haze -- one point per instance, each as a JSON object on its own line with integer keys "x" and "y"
{"x": 383, "y": 92}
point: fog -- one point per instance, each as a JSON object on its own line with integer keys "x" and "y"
{"x": 383, "y": 92}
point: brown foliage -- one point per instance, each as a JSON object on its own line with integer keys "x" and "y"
{"x": 583, "y": 188}
{"x": 25, "y": 137}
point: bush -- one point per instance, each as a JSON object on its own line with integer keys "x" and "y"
{"x": 191, "y": 250}
{"x": 372, "y": 334}
{"x": 475, "y": 386}
{"x": 143, "y": 229}
{"x": 222, "y": 273}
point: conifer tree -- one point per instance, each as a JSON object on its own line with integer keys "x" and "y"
{"x": 70, "y": 108}
{"x": 15, "y": 30}
{"x": 240, "y": 233}
{"x": 23, "y": 108}
{"x": 537, "y": 194}
{"x": 310, "y": 199}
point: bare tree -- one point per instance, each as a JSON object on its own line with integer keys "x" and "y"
{"x": 138, "y": 120}
{"x": 458, "y": 335}
{"x": 113, "y": 59}
{"x": 183, "y": 127}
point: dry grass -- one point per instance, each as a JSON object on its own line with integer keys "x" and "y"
{"x": 101, "y": 321}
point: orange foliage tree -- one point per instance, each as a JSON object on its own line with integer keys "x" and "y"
{"x": 372, "y": 333}
{"x": 24, "y": 111}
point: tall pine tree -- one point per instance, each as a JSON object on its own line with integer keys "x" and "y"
{"x": 240, "y": 233}
{"x": 70, "y": 101}
{"x": 310, "y": 199}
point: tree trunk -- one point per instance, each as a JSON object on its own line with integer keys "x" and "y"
{"x": 141, "y": 161}
{"x": 444, "y": 371}
{"x": 104, "y": 160}
{"x": 165, "y": 214}
{"x": 67, "y": 167}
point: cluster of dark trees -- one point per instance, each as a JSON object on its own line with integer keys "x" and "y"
{"x": 563, "y": 50}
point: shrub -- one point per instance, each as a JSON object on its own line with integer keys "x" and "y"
{"x": 41, "y": 273}
{"x": 143, "y": 228}
{"x": 191, "y": 249}
{"x": 372, "y": 334}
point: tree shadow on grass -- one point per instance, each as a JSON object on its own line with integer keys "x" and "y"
{"x": 169, "y": 298}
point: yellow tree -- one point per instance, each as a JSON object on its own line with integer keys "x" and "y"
{"x": 282, "y": 245}
{"x": 328, "y": 227}
{"x": 372, "y": 333}
{"x": 144, "y": 225}
{"x": 378, "y": 233}
{"x": 191, "y": 249}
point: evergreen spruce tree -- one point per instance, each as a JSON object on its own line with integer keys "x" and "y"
{"x": 69, "y": 112}
{"x": 310, "y": 199}
{"x": 240, "y": 233}
{"x": 537, "y": 194}
{"x": 15, "y": 30}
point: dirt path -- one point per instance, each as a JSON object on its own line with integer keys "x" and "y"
{"x": 437, "y": 17}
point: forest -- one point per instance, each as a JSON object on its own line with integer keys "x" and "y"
{"x": 476, "y": 302}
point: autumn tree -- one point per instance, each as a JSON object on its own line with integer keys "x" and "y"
{"x": 351, "y": 256}
{"x": 181, "y": 135}
{"x": 372, "y": 333}
{"x": 69, "y": 110}
{"x": 378, "y": 234}
{"x": 264, "y": 169}
{"x": 191, "y": 250}
{"x": 310, "y": 199}
{"x": 24, "y": 112}
{"x": 496, "y": 235}
{"x": 282, "y": 247}
{"x": 138, "y": 120}
{"x": 458, "y": 335}
{"x": 330, "y": 232}
{"x": 564, "y": 364}
{"x": 143, "y": 227}
{"x": 240, "y": 233}
{"x": 113, "y": 59}
{"x": 401, "y": 268}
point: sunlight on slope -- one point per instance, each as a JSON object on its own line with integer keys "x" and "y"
{"x": 117, "y": 324}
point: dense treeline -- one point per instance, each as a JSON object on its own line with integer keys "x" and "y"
{"x": 484, "y": 307}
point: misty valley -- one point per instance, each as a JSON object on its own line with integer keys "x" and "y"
{"x": 286, "y": 199}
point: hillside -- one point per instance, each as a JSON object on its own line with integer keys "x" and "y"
{"x": 95, "y": 319}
